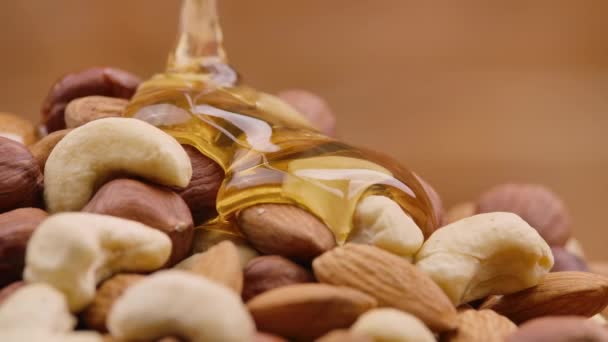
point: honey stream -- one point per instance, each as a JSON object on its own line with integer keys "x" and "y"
{"x": 270, "y": 153}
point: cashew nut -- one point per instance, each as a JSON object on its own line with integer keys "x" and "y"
{"x": 74, "y": 251}
{"x": 204, "y": 239}
{"x": 90, "y": 154}
{"x": 36, "y": 307}
{"x": 392, "y": 325}
{"x": 179, "y": 303}
{"x": 380, "y": 221}
{"x": 493, "y": 253}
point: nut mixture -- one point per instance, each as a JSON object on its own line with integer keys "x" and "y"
{"x": 99, "y": 223}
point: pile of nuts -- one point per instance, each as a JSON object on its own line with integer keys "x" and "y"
{"x": 98, "y": 243}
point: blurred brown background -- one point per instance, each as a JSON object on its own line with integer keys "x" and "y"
{"x": 467, "y": 93}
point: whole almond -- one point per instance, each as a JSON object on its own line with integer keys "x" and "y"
{"x": 537, "y": 205}
{"x": 221, "y": 263}
{"x": 16, "y": 228}
{"x": 307, "y": 311}
{"x": 17, "y": 128}
{"x": 560, "y": 329}
{"x": 267, "y": 272}
{"x": 480, "y": 326}
{"x": 392, "y": 280}
{"x": 20, "y": 177}
{"x": 151, "y": 205}
{"x": 343, "y": 336}
{"x": 200, "y": 194}
{"x": 558, "y": 294}
{"x": 86, "y": 109}
{"x": 566, "y": 261}
{"x": 285, "y": 230}
{"x": 96, "y": 313}
{"x": 43, "y": 147}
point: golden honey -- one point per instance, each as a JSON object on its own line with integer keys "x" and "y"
{"x": 270, "y": 153}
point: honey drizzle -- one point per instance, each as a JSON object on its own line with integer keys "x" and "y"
{"x": 269, "y": 152}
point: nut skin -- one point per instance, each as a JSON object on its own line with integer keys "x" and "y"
{"x": 200, "y": 194}
{"x": 536, "y": 204}
{"x": 20, "y": 177}
{"x": 566, "y": 261}
{"x": 436, "y": 201}
{"x": 560, "y": 329}
{"x": 43, "y": 147}
{"x": 265, "y": 273}
{"x": 86, "y": 109}
{"x": 151, "y": 205}
{"x": 285, "y": 230}
{"x": 17, "y": 128}
{"x": 104, "y": 81}
{"x": 8, "y": 290}
{"x": 313, "y": 108}
{"x": 308, "y": 311}
{"x": 95, "y": 315}
{"x": 264, "y": 337}
{"x": 16, "y": 228}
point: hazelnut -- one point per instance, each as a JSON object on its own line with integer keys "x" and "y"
{"x": 16, "y": 228}
{"x": 20, "y": 177}
{"x": 17, "y": 128}
{"x": 151, "y": 205}
{"x": 268, "y": 272}
{"x": 201, "y": 193}
{"x": 94, "y": 81}
{"x": 95, "y": 315}
{"x": 566, "y": 261}
{"x": 537, "y": 205}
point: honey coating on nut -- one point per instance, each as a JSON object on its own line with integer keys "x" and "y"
{"x": 270, "y": 153}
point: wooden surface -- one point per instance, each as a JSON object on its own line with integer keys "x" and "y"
{"x": 467, "y": 93}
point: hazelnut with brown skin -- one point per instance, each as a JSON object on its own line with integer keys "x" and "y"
{"x": 536, "y": 204}
{"x": 20, "y": 177}
{"x": 151, "y": 205}
{"x": 103, "y": 81}
{"x": 566, "y": 261}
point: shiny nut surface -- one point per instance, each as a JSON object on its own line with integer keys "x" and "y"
{"x": 86, "y": 109}
{"x": 267, "y": 272}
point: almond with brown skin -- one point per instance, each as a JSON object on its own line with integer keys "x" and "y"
{"x": 392, "y": 280}
{"x": 96, "y": 313}
{"x": 307, "y": 311}
{"x": 8, "y": 290}
{"x": 560, "y": 329}
{"x": 267, "y": 272}
{"x": 102, "y": 81}
{"x": 566, "y": 261}
{"x": 86, "y": 109}
{"x": 43, "y": 147}
{"x": 343, "y": 336}
{"x": 537, "y": 205}
{"x": 20, "y": 177}
{"x": 559, "y": 294}
{"x": 200, "y": 194}
{"x": 285, "y": 230}
{"x": 17, "y": 128}
{"x": 151, "y": 205}
{"x": 221, "y": 263}
{"x": 480, "y": 326}
{"x": 16, "y": 228}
